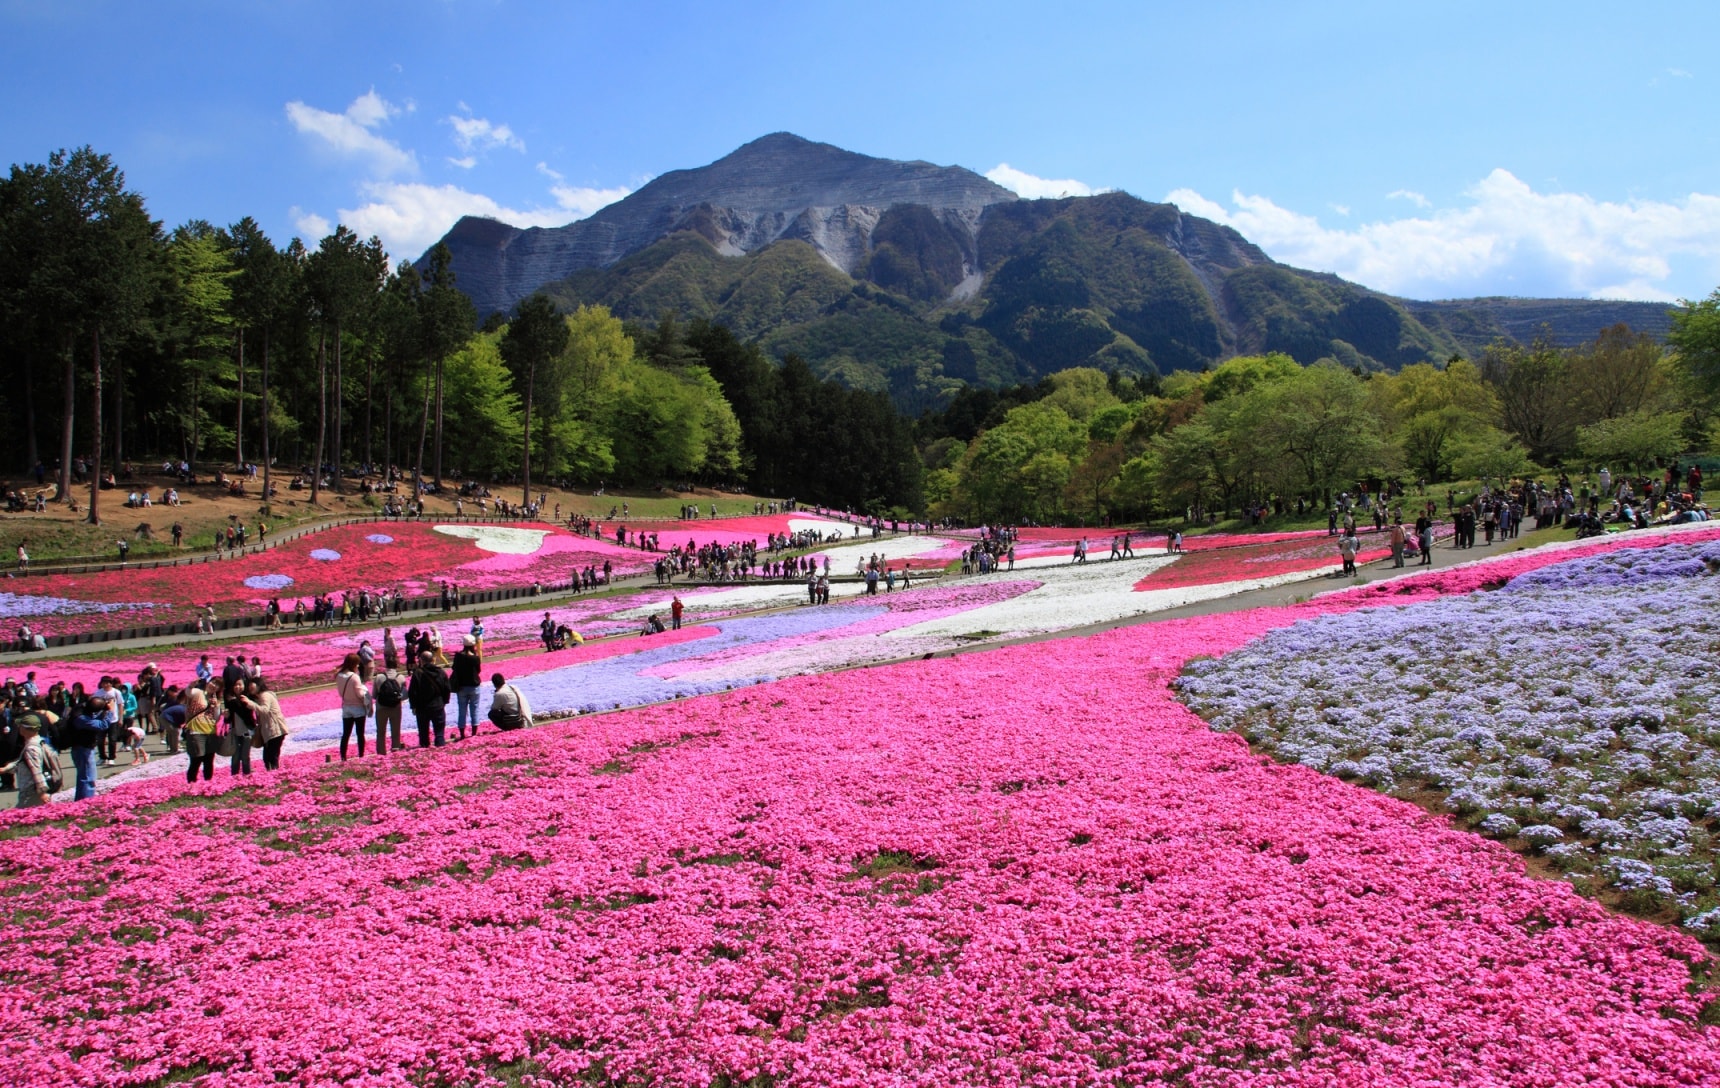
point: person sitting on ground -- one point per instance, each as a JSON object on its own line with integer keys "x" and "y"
{"x": 508, "y": 707}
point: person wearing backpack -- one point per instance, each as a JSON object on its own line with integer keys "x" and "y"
{"x": 389, "y": 691}
{"x": 37, "y": 766}
{"x": 428, "y": 696}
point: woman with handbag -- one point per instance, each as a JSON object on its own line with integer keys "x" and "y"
{"x": 271, "y": 723}
{"x": 201, "y": 722}
{"x": 354, "y": 704}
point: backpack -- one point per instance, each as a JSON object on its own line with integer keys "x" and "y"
{"x": 51, "y": 772}
{"x": 389, "y": 693}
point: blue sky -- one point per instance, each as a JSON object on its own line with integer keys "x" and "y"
{"x": 1429, "y": 150}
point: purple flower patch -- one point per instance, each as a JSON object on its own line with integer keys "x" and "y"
{"x": 327, "y": 555}
{"x": 269, "y": 581}
{"x": 380, "y": 538}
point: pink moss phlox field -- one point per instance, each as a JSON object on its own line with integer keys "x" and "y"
{"x": 1037, "y": 868}
{"x": 1254, "y": 560}
{"x": 312, "y": 655}
{"x": 728, "y": 531}
{"x": 410, "y": 556}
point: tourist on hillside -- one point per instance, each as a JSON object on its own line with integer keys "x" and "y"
{"x": 366, "y": 659}
{"x": 508, "y": 707}
{"x": 354, "y": 704}
{"x": 173, "y": 715}
{"x": 428, "y": 697}
{"x": 1398, "y": 539}
{"x": 1348, "y": 545}
{"x": 390, "y": 650}
{"x": 202, "y": 717}
{"x": 388, "y": 693}
{"x": 271, "y": 721}
{"x": 465, "y": 680}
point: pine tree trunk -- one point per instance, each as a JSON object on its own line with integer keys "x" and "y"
{"x": 339, "y": 405}
{"x": 66, "y": 425}
{"x": 526, "y": 459}
{"x": 369, "y": 394}
{"x": 95, "y": 517}
{"x": 265, "y": 418}
{"x": 438, "y": 423}
{"x": 423, "y": 432}
{"x": 239, "y": 424}
{"x": 31, "y": 453}
{"x": 322, "y": 411}
{"x": 196, "y": 417}
{"x": 119, "y": 417}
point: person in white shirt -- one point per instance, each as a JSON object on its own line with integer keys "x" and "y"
{"x": 508, "y": 706}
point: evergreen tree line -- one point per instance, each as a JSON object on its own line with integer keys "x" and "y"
{"x": 126, "y": 342}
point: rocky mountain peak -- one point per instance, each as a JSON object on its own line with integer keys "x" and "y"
{"x": 777, "y": 186}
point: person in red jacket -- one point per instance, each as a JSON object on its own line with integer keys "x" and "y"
{"x": 675, "y": 609}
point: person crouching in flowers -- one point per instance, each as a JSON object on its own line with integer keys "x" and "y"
{"x": 354, "y": 704}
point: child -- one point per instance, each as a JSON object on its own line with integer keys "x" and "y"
{"x": 134, "y": 741}
{"x": 477, "y": 634}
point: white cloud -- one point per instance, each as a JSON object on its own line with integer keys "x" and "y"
{"x": 1508, "y": 240}
{"x": 312, "y": 227}
{"x": 1024, "y": 184}
{"x": 478, "y": 134}
{"x": 465, "y": 163}
{"x": 582, "y": 201}
{"x": 1410, "y": 195}
{"x": 1678, "y": 73}
{"x": 543, "y": 168}
{"x": 410, "y": 216}
{"x": 352, "y": 133}
{"x": 1341, "y": 209}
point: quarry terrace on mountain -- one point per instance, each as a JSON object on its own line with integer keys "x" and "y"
{"x": 866, "y": 267}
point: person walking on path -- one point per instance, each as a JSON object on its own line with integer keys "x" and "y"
{"x": 465, "y": 680}
{"x": 428, "y": 697}
{"x": 354, "y": 704}
{"x": 1398, "y": 539}
{"x": 675, "y": 610}
{"x": 1424, "y": 537}
{"x": 1347, "y": 546}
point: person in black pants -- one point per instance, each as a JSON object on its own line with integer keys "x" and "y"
{"x": 428, "y": 696}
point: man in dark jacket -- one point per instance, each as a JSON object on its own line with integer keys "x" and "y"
{"x": 88, "y": 726}
{"x": 428, "y": 697}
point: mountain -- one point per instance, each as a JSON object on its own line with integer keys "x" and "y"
{"x": 916, "y": 278}
{"x": 777, "y": 187}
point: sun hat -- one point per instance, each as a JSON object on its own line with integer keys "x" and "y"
{"x": 471, "y": 641}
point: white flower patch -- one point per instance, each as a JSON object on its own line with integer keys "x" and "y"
{"x": 1076, "y": 595}
{"x": 844, "y": 559}
{"x": 503, "y": 539}
{"x": 754, "y": 595}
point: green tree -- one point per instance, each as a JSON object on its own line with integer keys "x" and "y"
{"x": 484, "y": 413}
{"x": 262, "y": 291}
{"x": 1533, "y": 387}
{"x": 1637, "y": 440}
{"x": 448, "y": 320}
{"x": 533, "y": 338}
{"x": 1695, "y": 336}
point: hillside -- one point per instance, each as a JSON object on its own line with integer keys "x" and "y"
{"x": 915, "y": 279}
